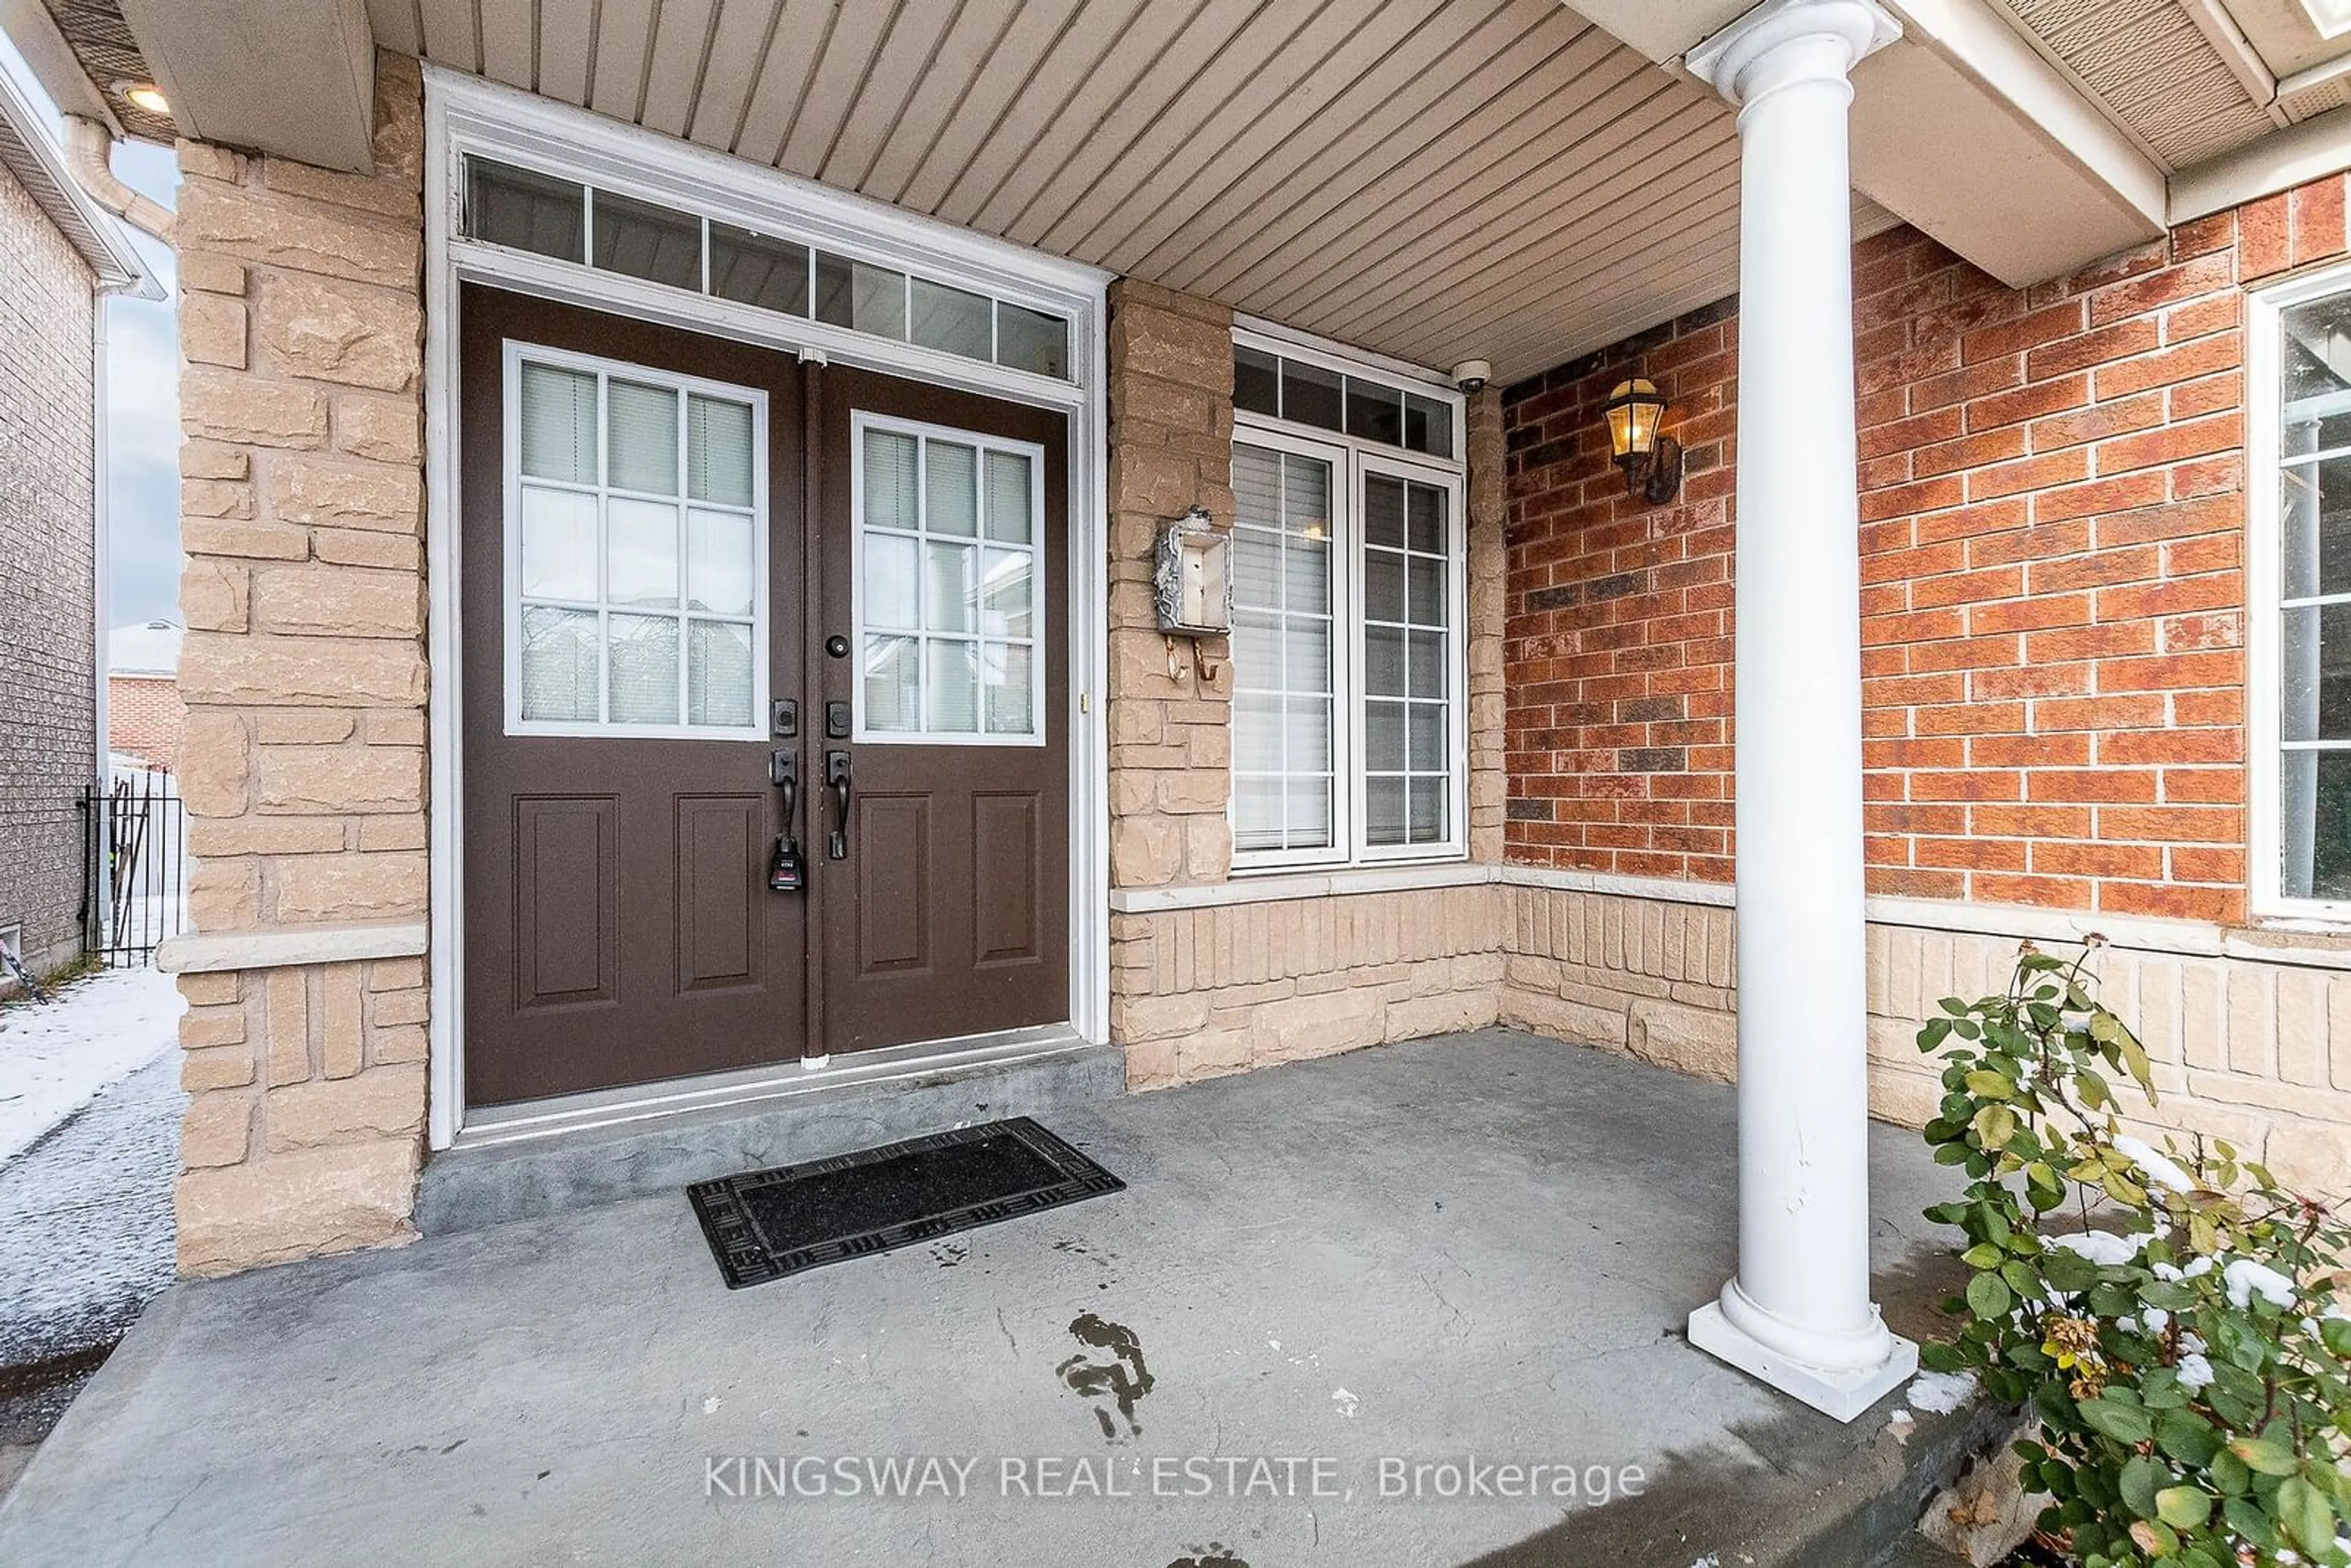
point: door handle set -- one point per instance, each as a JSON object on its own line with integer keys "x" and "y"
{"x": 836, "y": 778}
{"x": 787, "y": 867}
{"x": 787, "y": 871}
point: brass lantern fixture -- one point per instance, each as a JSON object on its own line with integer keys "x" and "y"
{"x": 1652, "y": 460}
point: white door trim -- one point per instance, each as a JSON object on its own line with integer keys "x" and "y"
{"x": 465, "y": 114}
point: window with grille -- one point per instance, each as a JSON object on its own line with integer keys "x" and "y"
{"x": 1349, "y": 734}
{"x": 636, "y": 551}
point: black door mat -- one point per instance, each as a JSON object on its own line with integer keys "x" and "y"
{"x": 764, "y": 1225}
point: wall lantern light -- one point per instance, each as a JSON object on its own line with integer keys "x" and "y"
{"x": 1652, "y": 460}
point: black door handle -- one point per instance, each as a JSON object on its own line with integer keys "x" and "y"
{"x": 836, "y": 778}
{"x": 785, "y": 873}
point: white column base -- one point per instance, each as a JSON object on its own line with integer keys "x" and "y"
{"x": 1841, "y": 1394}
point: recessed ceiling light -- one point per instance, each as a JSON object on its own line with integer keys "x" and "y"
{"x": 144, "y": 95}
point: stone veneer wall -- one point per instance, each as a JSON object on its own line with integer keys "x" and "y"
{"x": 2250, "y": 1045}
{"x": 303, "y": 760}
{"x": 1207, "y": 978}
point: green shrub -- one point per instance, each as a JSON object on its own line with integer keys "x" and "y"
{"x": 2171, "y": 1319}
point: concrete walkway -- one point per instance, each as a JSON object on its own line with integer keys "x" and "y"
{"x": 1480, "y": 1247}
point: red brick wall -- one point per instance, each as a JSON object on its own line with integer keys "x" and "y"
{"x": 143, "y": 716}
{"x": 2054, "y": 604}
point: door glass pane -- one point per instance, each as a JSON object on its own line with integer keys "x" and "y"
{"x": 524, "y": 209}
{"x": 1004, "y": 591}
{"x": 718, "y": 682}
{"x": 642, "y": 240}
{"x": 893, "y": 683}
{"x": 719, "y": 561}
{"x": 753, "y": 269}
{"x": 559, "y": 543}
{"x": 641, "y": 568}
{"x": 892, "y": 498}
{"x": 718, "y": 450}
{"x": 644, "y": 651}
{"x": 560, "y": 653}
{"x": 643, "y": 438}
{"x": 948, "y": 587}
{"x": 1029, "y": 339}
{"x": 951, "y": 488}
{"x": 950, "y": 689}
{"x": 950, "y": 319}
{"x": 856, "y": 295}
{"x": 619, "y": 556}
{"x": 890, "y": 575}
{"x": 1009, "y": 499}
{"x": 558, "y": 423}
{"x": 1008, "y": 676}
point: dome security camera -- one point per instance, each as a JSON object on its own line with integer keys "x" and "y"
{"x": 1470, "y": 375}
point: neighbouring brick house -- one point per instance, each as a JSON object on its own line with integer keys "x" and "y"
{"x": 676, "y": 541}
{"x": 143, "y": 710}
{"x": 60, "y": 254}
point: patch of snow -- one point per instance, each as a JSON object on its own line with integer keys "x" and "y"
{"x": 55, "y": 1056}
{"x": 2195, "y": 1372}
{"x": 1345, "y": 1402}
{"x": 1710, "y": 1559}
{"x": 2099, "y": 1245}
{"x": 1941, "y": 1393}
{"x": 2160, "y": 1168}
{"x": 2247, "y": 1279}
{"x": 710, "y": 1406}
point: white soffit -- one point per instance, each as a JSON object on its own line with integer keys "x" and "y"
{"x": 1488, "y": 179}
{"x": 296, "y": 76}
{"x": 1964, "y": 130}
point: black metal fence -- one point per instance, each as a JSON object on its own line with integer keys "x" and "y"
{"x": 135, "y": 877}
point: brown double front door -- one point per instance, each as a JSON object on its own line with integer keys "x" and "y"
{"x": 765, "y": 675}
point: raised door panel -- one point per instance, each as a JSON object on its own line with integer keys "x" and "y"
{"x": 567, "y": 878}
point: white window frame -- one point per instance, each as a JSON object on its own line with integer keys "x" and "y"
{"x": 2265, "y": 598}
{"x": 517, "y": 354}
{"x": 1343, "y": 646}
{"x": 1039, "y": 642}
{"x": 1355, "y": 460}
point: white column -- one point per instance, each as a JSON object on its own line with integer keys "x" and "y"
{"x": 1799, "y": 1315}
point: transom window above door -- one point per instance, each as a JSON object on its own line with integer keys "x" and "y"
{"x": 636, "y": 552}
{"x": 1349, "y": 729}
{"x": 950, "y": 526}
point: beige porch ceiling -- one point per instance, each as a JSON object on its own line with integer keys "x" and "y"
{"x": 1493, "y": 179}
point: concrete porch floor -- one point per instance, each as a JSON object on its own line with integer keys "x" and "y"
{"x": 1483, "y": 1245}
